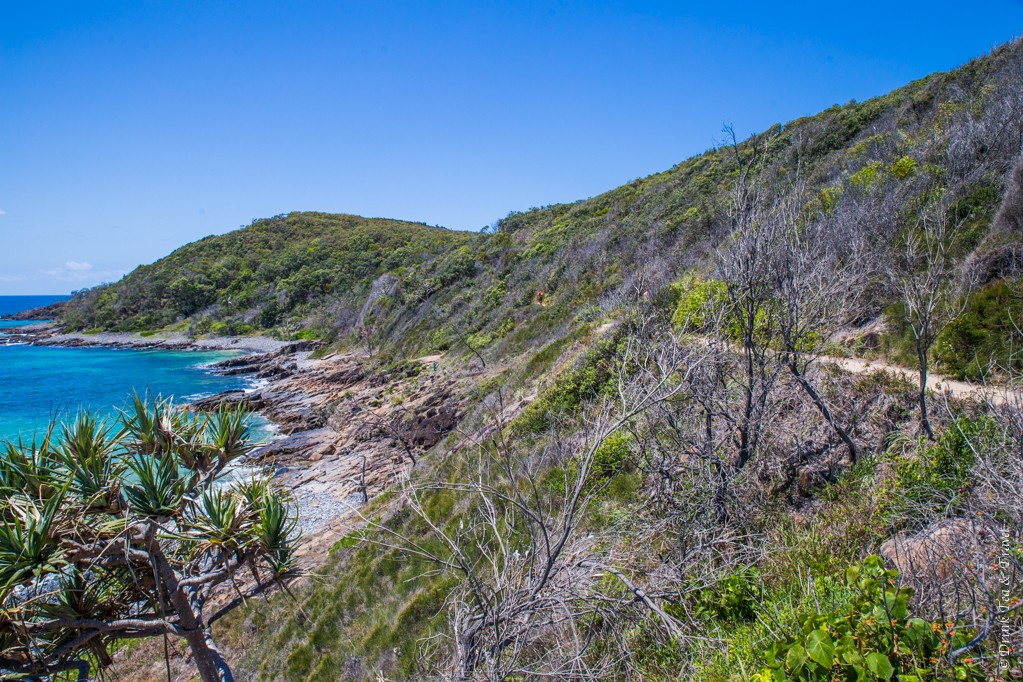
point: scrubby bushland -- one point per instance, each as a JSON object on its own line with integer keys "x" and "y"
{"x": 694, "y": 490}
{"x": 949, "y": 140}
{"x": 624, "y": 536}
{"x": 766, "y": 516}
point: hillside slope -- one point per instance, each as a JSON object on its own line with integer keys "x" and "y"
{"x": 262, "y": 276}
{"x": 870, "y": 165}
{"x": 794, "y": 519}
{"x": 616, "y": 499}
{"x": 411, "y": 288}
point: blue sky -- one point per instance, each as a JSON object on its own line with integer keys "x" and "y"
{"x": 130, "y": 128}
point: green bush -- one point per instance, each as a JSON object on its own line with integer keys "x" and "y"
{"x": 867, "y": 176}
{"x": 938, "y": 477}
{"x": 872, "y": 636}
{"x": 982, "y": 334}
{"x": 903, "y": 167}
{"x": 696, "y": 302}
{"x": 613, "y": 456}
{"x": 734, "y": 599}
{"x": 593, "y": 377}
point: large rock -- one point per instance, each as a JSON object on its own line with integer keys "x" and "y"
{"x": 942, "y": 550}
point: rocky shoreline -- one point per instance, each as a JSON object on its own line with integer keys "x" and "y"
{"x": 347, "y": 430}
{"x": 49, "y": 334}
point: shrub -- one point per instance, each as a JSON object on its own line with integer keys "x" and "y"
{"x": 613, "y": 456}
{"x": 734, "y": 599}
{"x": 308, "y": 334}
{"x": 872, "y": 636}
{"x": 865, "y": 177}
{"x": 903, "y": 168}
{"x": 593, "y": 377}
{"x": 983, "y": 334}
{"x": 696, "y": 301}
{"x": 938, "y": 477}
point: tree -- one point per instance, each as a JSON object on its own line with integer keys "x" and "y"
{"x": 928, "y": 288}
{"x": 818, "y": 273}
{"x": 534, "y": 593}
{"x": 110, "y": 533}
{"x": 745, "y": 266}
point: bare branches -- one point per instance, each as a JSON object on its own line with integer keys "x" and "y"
{"x": 530, "y": 596}
{"x": 926, "y": 280}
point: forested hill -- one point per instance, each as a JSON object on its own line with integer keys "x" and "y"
{"x": 261, "y": 276}
{"x": 947, "y": 140}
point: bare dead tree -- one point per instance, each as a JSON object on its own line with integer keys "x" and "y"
{"x": 367, "y": 335}
{"x": 533, "y": 592}
{"x": 819, "y": 271}
{"x": 360, "y": 481}
{"x": 928, "y": 286}
{"x": 751, "y": 319}
{"x": 467, "y": 342}
{"x": 968, "y": 569}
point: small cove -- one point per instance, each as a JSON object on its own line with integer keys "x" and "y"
{"x": 42, "y": 383}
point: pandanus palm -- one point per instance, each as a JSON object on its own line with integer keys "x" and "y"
{"x": 110, "y": 531}
{"x": 88, "y": 451}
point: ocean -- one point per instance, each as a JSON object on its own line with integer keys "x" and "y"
{"x": 39, "y": 383}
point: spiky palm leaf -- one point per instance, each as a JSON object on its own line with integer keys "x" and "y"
{"x": 68, "y": 552}
{"x": 276, "y": 530}
{"x": 218, "y": 521}
{"x": 32, "y": 469}
{"x": 227, "y": 433}
{"x": 159, "y": 489}
{"x": 252, "y": 490}
{"x": 161, "y": 429}
{"x": 88, "y": 451}
{"x": 29, "y": 538}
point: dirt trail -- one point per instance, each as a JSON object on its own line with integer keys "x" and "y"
{"x": 936, "y": 382}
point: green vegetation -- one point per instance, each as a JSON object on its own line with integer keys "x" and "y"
{"x": 268, "y": 275}
{"x": 868, "y": 635}
{"x": 111, "y": 532}
{"x": 592, "y": 376}
{"x": 979, "y": 343}
{"x": 664, "y": 508}
{"x": 933, "y": 478}
{"x": 404, "y": 288}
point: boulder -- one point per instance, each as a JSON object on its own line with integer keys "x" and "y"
{"x": 938, "y": 551}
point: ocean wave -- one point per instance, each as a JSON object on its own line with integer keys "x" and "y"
{"x": 256, "y": 384}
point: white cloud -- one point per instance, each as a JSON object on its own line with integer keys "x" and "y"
{"x": 3, "y": 212}
{"x": 81, "y": 271}
{"x": 11, "y": 278}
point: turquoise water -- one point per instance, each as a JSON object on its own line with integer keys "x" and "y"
{"x": 38, "y": 383}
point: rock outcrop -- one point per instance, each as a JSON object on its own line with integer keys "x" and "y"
{"x": 346, "y": 431}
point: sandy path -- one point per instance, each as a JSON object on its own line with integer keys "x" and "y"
{"x": 935, "y": 382}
